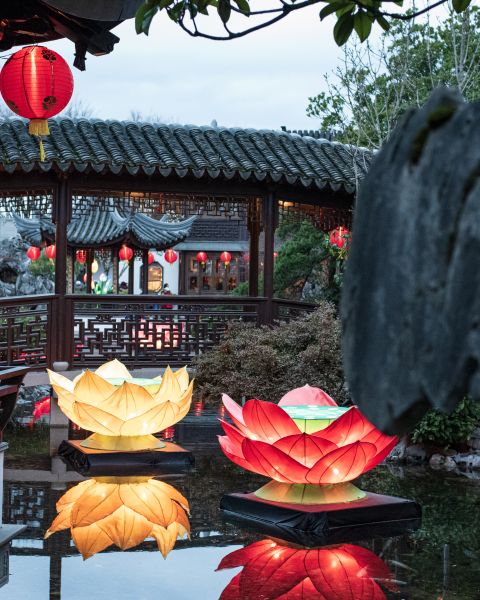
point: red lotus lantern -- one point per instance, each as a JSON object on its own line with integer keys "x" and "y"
{"x": 307, "y": 439}
{"x": 151, "y": 258}
{"x": 51, "y": 252}
{"x": 226, "y": 257}
{"x": 170, "y": 256}
{"x": 33, "y": 253}
{"x": 339, "y": 237}
{"x": 276, "y": 570}
{"x": 202, "y": 257}
{"x": 81, "y": 256}
{"x": 36, "y": 83}
{"x": 125, "y": 253}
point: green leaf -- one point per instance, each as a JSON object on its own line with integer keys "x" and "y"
{"x": 332, "y": 7}
{"x": 224, "y": 10}
{"x": 143, "y": 17}
{"x": 382, "y": 21}
{"x": 362, "y": 24}
{"x": 343, "y": 29}
{"x": 460, "y": 5}
{"x": 243, "y": 5}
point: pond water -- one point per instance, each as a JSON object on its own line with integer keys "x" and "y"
{"x": 441, "y": 560}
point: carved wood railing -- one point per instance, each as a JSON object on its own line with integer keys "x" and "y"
{"x": 286, "y": 310}
{"x": 24, "y": 330}
{"x": 144, "y": 331}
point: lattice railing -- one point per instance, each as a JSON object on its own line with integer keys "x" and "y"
{"x": 147, "y": 331}
{"x": 286, "y": 310}
{"x": 24, "y": 323}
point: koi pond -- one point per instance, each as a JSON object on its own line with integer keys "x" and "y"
{"x": 223, "y": 558}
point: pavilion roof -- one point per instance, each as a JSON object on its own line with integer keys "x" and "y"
{"x": 96, "y": 228}
{"x": 185, "y": 150}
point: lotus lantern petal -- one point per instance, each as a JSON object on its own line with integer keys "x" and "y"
{"x": 121, "y": 511}
{"x": 123, "y": 411}
{"x": 306, "y": 440}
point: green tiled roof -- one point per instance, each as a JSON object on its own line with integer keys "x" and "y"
{"x": 185, "y": 150}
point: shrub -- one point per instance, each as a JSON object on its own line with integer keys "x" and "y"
{"x": 443, "y": 429}
{"x": 265, "y": 363}
{"x": 42, "y": 266}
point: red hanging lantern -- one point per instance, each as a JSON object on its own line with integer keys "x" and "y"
{"x": 202, "y": 257}
{"x": 51, "y": 252}
{"x": 170, "y": 256}
{"x": 36, "y": 83}
{"x": 125, "y": 253}
{"x": 226, "y": 257}
{"x": 339, "y": 237}
{"x": 151, "y": 258}
{"x": 33, "y": 253}
{"x": 81, "y": 256}
{"x": 246, "y": 258}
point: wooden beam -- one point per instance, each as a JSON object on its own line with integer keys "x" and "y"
{"x": 254, "y": 217}
{"x": 270, "y": 212}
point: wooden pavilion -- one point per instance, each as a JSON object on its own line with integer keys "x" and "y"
{"x": 255, "y": 178}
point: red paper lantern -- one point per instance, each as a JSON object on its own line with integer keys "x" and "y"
{"x": 246, "y": 258}
{"x": 306, "y": 439}
{"x": 339, "y": 237}
{"x": 202, "y": 257}
{"x": 51, "y": 252}
{"x": 33, "y": 253}
{"x": 125, "y": 253}
{"x": 81, "y": 256}
{"x": 277, "y": 570}
{"x": 151, "y": 258}
{"x": 226, "y": 257}
{"x": 170, "y": 256}
{"x": 36, "y": 83}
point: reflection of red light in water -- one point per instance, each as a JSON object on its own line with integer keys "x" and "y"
{"x": 198, "y": 408}
{"x": 274, "y": 571}
{"x": 168, "y": 433}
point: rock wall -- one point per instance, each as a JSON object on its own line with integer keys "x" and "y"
{"x": 411, "y": 296}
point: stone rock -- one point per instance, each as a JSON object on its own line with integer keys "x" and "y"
{"x": 466, "y": 462}
{"x": 411, "y": 295}
{"x": 415, "y": 454}
{"x": 437, "y": 461}
{"x": 398, "y": 453}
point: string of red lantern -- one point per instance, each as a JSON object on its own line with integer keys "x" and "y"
{"x": 36, "y": 83}
{"x": 125, "y": 253}
{"x": 33, "y": 253}
{"x": 226, "y": 257}
{"x": 170, "y": 256}
{"x": 81, "y": 256}
{"x": 151, "y": 258}
{"x": 202, "y": 257}
{"x": 51, "y": 252}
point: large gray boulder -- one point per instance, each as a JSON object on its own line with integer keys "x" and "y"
{"x": 411, "y": 297}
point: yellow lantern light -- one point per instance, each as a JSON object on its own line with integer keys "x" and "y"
{"x": 94, "y": 266}
{"x": 121, "y": 410}
{"x": 122, "y": 511}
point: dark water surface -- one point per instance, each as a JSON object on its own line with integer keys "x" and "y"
{"x": 441, "y": 560}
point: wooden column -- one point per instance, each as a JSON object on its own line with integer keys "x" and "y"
{"x": 61, "y": 328}
{"x": 270, "y": 212}
{"x": 115, "y": 271}
{"x": 254, "y": 234}
{"x": 90, "y": 258}
{"x": 131, "y": 274}
{"x": 145, "y": 272}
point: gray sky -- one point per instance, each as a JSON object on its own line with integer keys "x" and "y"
{"x": 261, "y": 81}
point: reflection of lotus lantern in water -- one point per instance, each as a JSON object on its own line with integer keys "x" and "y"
{"x": 273, "y": 571}
{"x": 307, "y": 444}
{"x": 123, "y": 411}
{"x": 122, "y": 511}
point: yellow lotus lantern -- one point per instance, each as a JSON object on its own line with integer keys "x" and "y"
{"x": 123, "y": 511}
{"x": 121, "y": 410}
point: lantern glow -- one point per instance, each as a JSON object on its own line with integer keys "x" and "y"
{"x": 170, "y": 256}
{"x": 340, "y": 237}
{"x": 306, "y": 440}
{"x": 272, "y": 569}
{"x": 202, "y": 257}
{"x": 125, "y": 253}
{"x": 81, "y": 256}
{"x": 150, "y": 258}
{"x": 122, "y": 511}
{"x": 33, "y": 253}
{"x": 123, "y": 411}
{"x": 94, "y": 266}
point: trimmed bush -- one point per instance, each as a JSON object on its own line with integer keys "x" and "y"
{"x": 265, "y": 363}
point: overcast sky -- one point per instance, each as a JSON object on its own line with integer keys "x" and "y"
{"x": 261, "y": 81}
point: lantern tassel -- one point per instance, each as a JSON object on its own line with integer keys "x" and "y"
{"x": 39, "y": 127}
{"x": 42, "y": 149}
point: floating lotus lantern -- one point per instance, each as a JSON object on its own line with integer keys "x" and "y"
{"x": 121, "y": 511}
{"x": 272, "y": 569}
{"x": 121, "y": 410}
{"x": 310, "y": 447}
